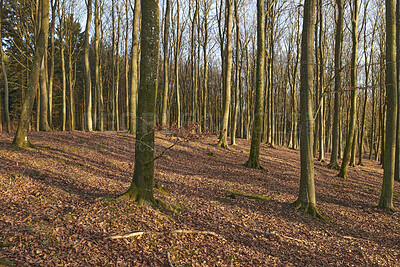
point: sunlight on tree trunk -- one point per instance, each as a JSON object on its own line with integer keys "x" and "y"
{"x": 21, "y": 136}
{"x": 141, "y": 189}
{"x": 306, "y": 199}
{"x": 254, "y": 157}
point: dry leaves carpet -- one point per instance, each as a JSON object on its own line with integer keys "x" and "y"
{"x": 58, "y": 207}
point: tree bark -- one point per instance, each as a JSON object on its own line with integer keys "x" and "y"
{"x": 223, "y": 138}
{"x": 88, "y": 81}
{"x": 141, "y": 189}
{"x": 386, "y": 199}
{"x": 353, "y": 84}
{"x": 134, "y": 69}
{"x": 254, "y": 157}
{"x": 4, "y": 70}
{"x": 21, "y": 136}
{"x": 237, "y": 78}
{"x": 338, "y": 84}
{"x": 306, "y": 199}
{"x": 166, "y": 82}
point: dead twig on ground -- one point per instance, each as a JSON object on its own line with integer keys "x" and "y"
{"x": 163, "y": 233}
{"x": 169, "y": 260}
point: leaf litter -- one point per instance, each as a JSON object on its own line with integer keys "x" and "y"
{"x": 59, "y": 207}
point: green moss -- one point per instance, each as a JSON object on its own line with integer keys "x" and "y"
{"x": 337, "y": 186}
{"x": 71, "y": 163}
{"x": 210, "y": 154}
{"x": 2, "y": 245}
{"x": 36, "y": 175}
{"x": 224, "y": 200}
{"x": 324, "y": 199}
{"x": 70, "y": 149}
{"x": 161, "y": 188}
{"x": 235, "y": 193}
{"x": 6, "y": 263}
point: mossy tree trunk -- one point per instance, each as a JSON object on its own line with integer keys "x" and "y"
{"x": 141, "y": 189}
{"x": 306, "y": 199}
{"x": 338, "y": 84}
{"x": 254, "y": 157}
{"x": 223, "y": 138}
{"x": 353, "y": 105}
{"x": 21, "y": 136}
{"x": 386, "y": 199}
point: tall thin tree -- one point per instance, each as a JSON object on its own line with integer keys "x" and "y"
{"x": 88, "y": 81}
{"x": 306, "y": 199}
{"x": 353, "y": 102}
{"x": 386, "y": 199}
{"x": 223, "y": 138}
{"x": 21, "y": 136}
{"x": 141, "y": 189}
{"x": 254, "y": 157}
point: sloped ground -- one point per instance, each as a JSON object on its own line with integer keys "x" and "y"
{"x": 58, "y": 207}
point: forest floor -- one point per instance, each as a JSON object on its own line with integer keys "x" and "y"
{"x": 58, "y": 207}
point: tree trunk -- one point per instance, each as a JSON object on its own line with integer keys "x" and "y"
{"x": 397, "y": 157}
{"x": 21, "y": 136}
{"x": 254, "y": 157}
{"x": 321, "y": 118}
{"x": 99, "y": 95}
{"x": 338, "y": 84}
{"x": 177, "y": 54}
{"x": 223, "y": 138}
{"x": 237, "y": 78}
{"x": 166, "y": 82}
{"x": 44, "y": 96}
{"x": 3, "y": 65}
{"x": 353, "y": 84}
{"x": 141, "y": 189}
{"x": 306, "y": 199}
{"x": 88, "y": 81}
{"x": 134, "y": 69}
{"x": 54, "y": 6}
{"x": 386, "y": 199}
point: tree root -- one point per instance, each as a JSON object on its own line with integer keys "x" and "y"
{"x": 140, "y": 233}
{"x": 223, "y": 145}
{"x": 169, "y": 260}
{"x": 24, "y": 144}
{"x": 386, "y": 206}
{"x": 142, "y": 197}
{"x": 286, "y": 237}
{"x": 342, "y": 175}
{"x": 309, "y": 208}
{"x": 333, "y": 166}
{"x": 255, "y": 164}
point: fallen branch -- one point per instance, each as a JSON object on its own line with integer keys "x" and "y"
{"x": 163, "y": 233}
{"x": 169, "y": 260}
{"x": 287, "y": 237}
